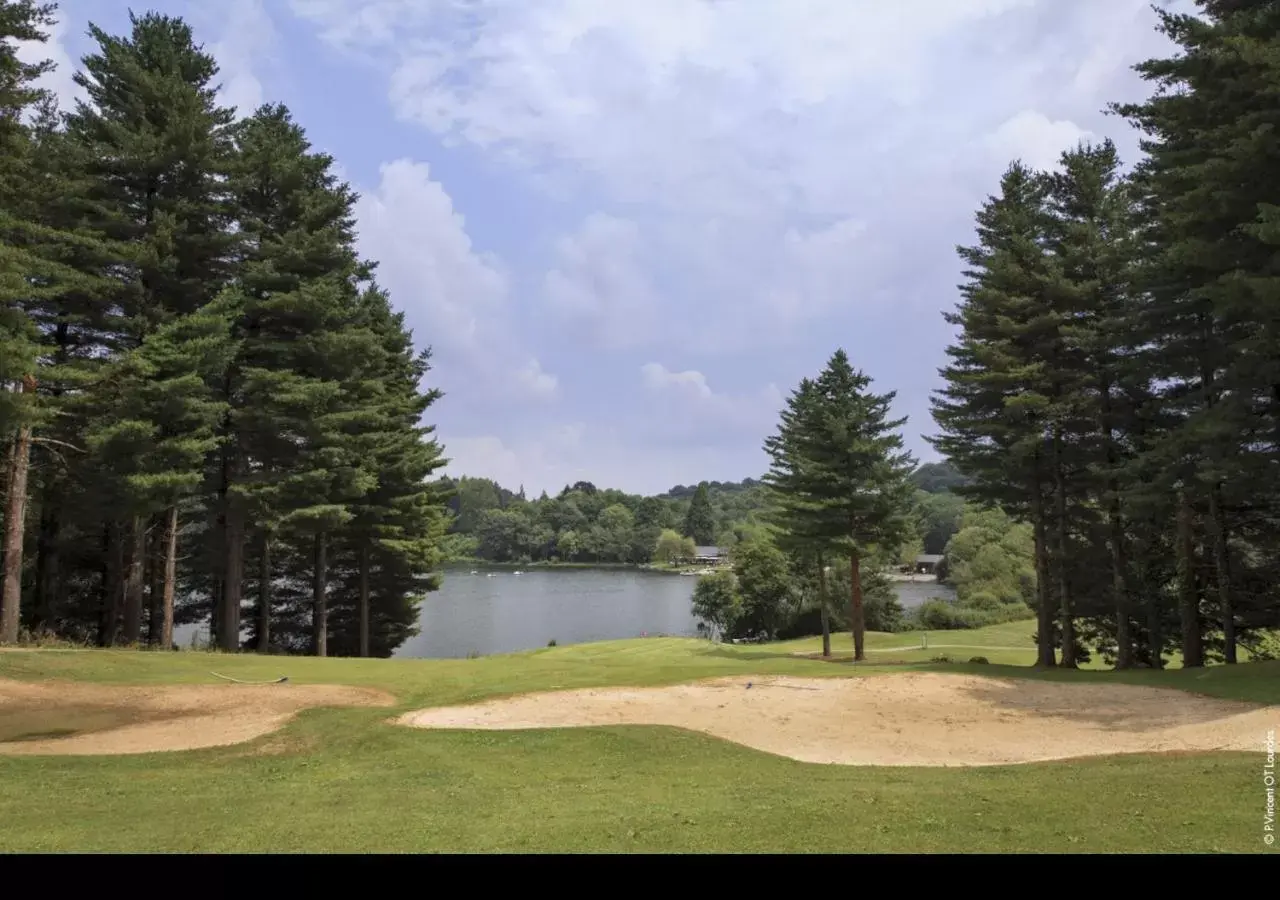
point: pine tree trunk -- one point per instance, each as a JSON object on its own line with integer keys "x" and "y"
{"x": 319, "y": 589}
{"x": 112, "y": 584}
{"x": 822, "y": 604}
{"x": 1060, "y": 538}
{"x": 264, "y": 595}
{"x": 15, "y": 521}
{"x": 135, "y": 582}
{"x": 233, "y": 578}
{"x": 855, "y": 607}
{"x": 1222, "y": 573}
{"x": 48, "y": 568}
{"x": 1155, "y": 629}
{"x": 155, "y": 581}
{"x": 364, "y": 599}
{"x": 1045, "y": 656}
{"x": 170, "y": 578}
{"x": 1119, "y": 589}
{"x": 1188, "y": 594}
{"x": 1124, "y": 630}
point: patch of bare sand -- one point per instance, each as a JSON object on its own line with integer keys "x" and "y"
{"x": 109, "y": 719}
{"x": 917, "y": 719}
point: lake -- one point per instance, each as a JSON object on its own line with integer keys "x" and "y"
{"x": 497, "y": 611}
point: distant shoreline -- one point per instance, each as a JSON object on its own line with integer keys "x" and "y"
{"x": 556, "y": 564}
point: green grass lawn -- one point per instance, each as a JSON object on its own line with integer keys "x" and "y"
{"x": 344, "y": 780}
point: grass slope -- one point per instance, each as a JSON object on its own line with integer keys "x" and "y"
{"x": 343, "y": 780}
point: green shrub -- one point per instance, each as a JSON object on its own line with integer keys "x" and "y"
{"x": 939, "y": 615}
{"x": 981, "y": 660}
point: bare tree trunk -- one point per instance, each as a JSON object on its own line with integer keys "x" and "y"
{"x": 1060, "y": 529}
{"x": 264, "y": 595}
{"x": 855, "y": 608}
{"x": 233, "y": 579}
{"x": 1222, "y": 574}
{"x": 319, "y": 589}
{"x": 15, "y": 522}
{"x": 170, "y": 578}
{"x": 1119, "y": 588}
{"x": 1155, "y": 630}
{"x": 112, "y": 584}
{"x": 155, "y": 581}
{"x": 1124, "y": 630}
{"x": 48, "y": 569}
{"x": 134, "y": 582}
{"x": 364, "y": 599}
{"x": 822, "y": 604}
{"x": 1188, "y": 594}
{"x": 1045, "y": 657}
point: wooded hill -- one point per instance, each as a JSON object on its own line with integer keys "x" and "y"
{"x": 210, "y": 408}
{"x": 584, "y": 523}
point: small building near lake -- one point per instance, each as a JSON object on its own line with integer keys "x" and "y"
{"x": 708, "y": 556}
{"x": 927, "y": 563}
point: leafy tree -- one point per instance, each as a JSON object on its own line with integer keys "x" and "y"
{"x": 716, "y": 602}
{"x": 671, "y": 548}
{"x": 764, "y": 590}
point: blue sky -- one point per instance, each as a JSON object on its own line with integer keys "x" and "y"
{"x": 628, "y": 228}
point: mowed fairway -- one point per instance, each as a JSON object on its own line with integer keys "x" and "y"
{"x": 346, "y": 779}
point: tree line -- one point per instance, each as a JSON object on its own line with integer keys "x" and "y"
{"x": 1115, "y": 380}
{"x": 586, "y": 524}
{"x": 210, "y": 408}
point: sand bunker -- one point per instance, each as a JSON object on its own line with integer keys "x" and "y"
{"x": 105, "y": 719}
{"x": 897, "y": 720}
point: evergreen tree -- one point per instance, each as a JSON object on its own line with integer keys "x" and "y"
{"x": 156, "y": 147}
{"x": 994, "y": 409}
{"x": 790, "y": 484}
{"x": 298, "y": 232}
{"x": 156, "y": 431}
{"x": 700, "y": 522}
{"x": 41, "y": 267}
{"x": 856, "y": 475}
{"x": 1091, "y": 234}
{"x": 396, "y": 526}
{"x": 1210, "y": 327}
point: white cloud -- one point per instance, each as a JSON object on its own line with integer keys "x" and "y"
{"x": 537, "y": 382}
{"x": 248, "y": 39}
{"x": 1033, "y": 138}
{"x": 762, "y": 163}
{"x": 763, "y": 177}
{"x": 455, "y": 298}
{"x": 684, "y": 406}
{"x": 60, "y": 80}
{"x": 672, "y": 102}
{"x": 600, "y": 283}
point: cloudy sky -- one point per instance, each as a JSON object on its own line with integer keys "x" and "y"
{"x": 627, "y": 228}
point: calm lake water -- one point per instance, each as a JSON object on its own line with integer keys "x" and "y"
{"x": 483, "y": 615}
{"x": 501, "y": 612}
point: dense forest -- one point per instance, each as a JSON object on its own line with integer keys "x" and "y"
{"x": 586, "y": 524}
{"x": 210, "y": 408}
{"x": 1115, "y": 380}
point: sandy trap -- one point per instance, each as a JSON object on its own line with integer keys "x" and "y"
{"x": 897, "y": 720}
{"x": 116, "y": 720}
